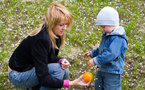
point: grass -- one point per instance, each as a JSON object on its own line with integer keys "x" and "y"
{"x": 19, "y": 17}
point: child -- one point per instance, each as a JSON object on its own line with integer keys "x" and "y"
{"x": 109, "y": 56}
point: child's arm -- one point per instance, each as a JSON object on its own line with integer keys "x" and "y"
{"x": 92, "y": 53}
{"x": 111, "y": 52}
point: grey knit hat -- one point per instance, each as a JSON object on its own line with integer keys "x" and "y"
{"x": 108, "y": 16}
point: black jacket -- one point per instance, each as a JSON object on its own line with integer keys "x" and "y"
{"x": 37, "y": 52}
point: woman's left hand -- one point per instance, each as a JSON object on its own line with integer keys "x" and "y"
{"x": 65, "y": 64}
{"x": 79, "y": 82}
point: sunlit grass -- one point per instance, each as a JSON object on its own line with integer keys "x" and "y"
{"x": 19, "y": 17}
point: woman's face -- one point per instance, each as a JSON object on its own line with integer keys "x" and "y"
{"x": 60, "y": 28}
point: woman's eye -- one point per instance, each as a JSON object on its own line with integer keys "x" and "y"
{"x": 61, "y": 25}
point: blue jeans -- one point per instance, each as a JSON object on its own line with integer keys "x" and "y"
{"x": 28, "y": 79}
{"x": 107, "y": 81}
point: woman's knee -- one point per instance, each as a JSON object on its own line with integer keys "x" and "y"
{"x": 55, "y": 70}
{"x": 66, "y": 74}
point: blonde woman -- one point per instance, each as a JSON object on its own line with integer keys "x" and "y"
{"x": 34, "y": 64}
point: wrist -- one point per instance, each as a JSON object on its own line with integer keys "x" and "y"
{"x": 60, "y": 60}
{"x": 71, "y": 83}
{"x": 91, "y": 54}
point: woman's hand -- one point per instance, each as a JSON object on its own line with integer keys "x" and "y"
{"x": 79, "y": 82}
{"x": 87, "y": 54}
{"x": 65, "y": 64}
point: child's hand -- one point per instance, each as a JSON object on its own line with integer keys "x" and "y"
{"x": 65, "y": 64}
{"x": 90, "y": 63}
{"x": 87, "y": 54}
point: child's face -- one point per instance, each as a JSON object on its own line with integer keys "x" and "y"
{"x": 107, "y": 29}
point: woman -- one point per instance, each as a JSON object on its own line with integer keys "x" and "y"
{"x": 35, "y": 64}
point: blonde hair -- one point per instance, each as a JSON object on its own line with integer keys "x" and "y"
{"x": 54, "y": 15}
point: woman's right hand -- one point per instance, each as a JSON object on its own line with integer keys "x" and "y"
{"x": 87, "y": 54}
{"x": 79, "y": 82}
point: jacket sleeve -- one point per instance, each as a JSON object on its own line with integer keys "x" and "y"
{"x": 55, "y": 59}
{"x": 111, "y": 52}
{"x": 39, "y": 54}
{"x": 94, "y": 52}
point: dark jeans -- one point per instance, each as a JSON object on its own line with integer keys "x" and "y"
{"x": 107, "y": 81}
